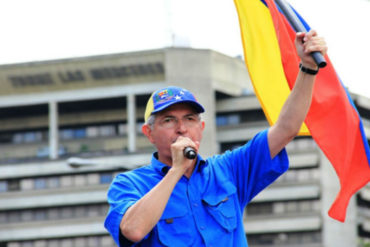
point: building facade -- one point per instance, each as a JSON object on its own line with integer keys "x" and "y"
{"x": 67, "y": 127}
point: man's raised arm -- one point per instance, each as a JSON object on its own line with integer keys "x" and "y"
{"x": 298, "y": 103}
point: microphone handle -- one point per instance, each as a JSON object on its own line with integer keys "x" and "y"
{"x": 190, "y": 153}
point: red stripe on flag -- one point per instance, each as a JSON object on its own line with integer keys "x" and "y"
{"x": 332, "y": 120}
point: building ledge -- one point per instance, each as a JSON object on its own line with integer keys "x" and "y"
{"x": 42, "y": 230}
{"x": 268, "y": 224}
{"x": 53, "y": 200}
{"x": 288, "y": 192}
{"x": 49, "y": 168}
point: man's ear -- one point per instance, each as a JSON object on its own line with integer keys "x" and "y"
{"x": 147, "y": 131}
{"x": 203, "y": 125}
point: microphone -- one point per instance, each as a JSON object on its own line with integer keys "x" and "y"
{"x": 190, "y": 153}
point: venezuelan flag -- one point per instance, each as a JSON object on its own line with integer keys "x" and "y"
{"x": 332, "y": 121}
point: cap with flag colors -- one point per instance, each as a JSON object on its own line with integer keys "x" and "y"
{"x": 166, "y": 97}
{"x": 333, "y": 121}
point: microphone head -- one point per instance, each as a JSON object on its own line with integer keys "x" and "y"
{"x": 190, "y": 153}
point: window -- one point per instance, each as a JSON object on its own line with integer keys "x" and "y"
{"x": 40, "y": 183}
{"x": 53, "y": 182}
{"x": 13, "y": 185}
{"x": 67, "y": 213}
{"x": 81, "y": 241}
{"x": 40, "y": 243}
{"x": 105, "y": 209}
{"x": 66, "y": 181}
{"x": 32, "y": 137}
{"x": 93, "y": 210}
{"x": 233, "y": 119}
{"x": 17, "y": 138}
{"x": 40, "y": 214}
{"x": 283, "y": 207}
{"x": 107, "y": 241}
{"x": 291, "y": 207}
{"x": 122, "y": 129}
{"x": 3, "y": 217}
{"x": 93, "y": 241}
{"x": 294, "y": 238}
{"x": 80, "y": 211}
{"x": 27, "y": 244}
{"x": 52, "y": 213}
{"x": 80, "y": 180}
{"x": 26, "y": 215}
{"x": 301, "y": 175}
{"x": 3, "y": 186}
{"x": 27, "y": 184}
{"x": 14, "y": 244}
{"x": 93, "y": 178}
{"x": 92, "y": 131}
{"x": 259, "y": 208}
{"x": 263, "y": 239}
{"x": 14, "y": 216}
{"x": 66, "y": 134}
{"x": 53, "y": 243}
{"x": 138, "y": 127}
{"x": 106, "y": 178}
{"x": 107, "y": 130}
{"x": 80, "y": 133}
{"x": 66, "y": 242}
{"x": 221, "y": 120}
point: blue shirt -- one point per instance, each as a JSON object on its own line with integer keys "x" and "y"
{"x": 206, "y": 209}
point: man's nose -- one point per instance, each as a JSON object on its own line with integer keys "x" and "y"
{"x": 181, "y": 127}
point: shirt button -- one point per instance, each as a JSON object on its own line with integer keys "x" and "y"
{"x": 202, "y": 228}
{"x": 195, "y": 204}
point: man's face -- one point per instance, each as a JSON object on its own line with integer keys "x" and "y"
{"x": 177, "y": 120}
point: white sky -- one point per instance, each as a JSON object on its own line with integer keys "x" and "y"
{"x": 34, "y": 30}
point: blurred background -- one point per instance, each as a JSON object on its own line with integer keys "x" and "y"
{"x": 74, "y": 80}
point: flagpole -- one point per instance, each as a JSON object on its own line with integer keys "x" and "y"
{"x": 299, "y": 27}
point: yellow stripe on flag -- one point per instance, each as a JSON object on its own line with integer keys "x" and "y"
{"x": 263, "y": 58}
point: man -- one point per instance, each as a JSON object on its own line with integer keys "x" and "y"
{"x": 177, "y": 201}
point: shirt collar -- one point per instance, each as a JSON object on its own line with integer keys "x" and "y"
{"x": 163, "y": 168}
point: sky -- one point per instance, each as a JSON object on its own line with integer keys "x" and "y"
{"x": 39, "y": 30}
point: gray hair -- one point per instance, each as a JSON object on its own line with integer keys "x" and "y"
{"x": 151, "y": 120}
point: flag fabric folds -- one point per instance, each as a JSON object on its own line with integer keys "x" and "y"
{"x": 332, "y": 121}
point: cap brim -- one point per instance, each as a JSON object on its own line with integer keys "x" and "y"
{"x": 198, "y": 107}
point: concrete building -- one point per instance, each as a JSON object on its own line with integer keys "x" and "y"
{"x": 67, "y": 127}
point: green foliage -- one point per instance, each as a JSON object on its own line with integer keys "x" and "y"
{"x": 363, "y": 243}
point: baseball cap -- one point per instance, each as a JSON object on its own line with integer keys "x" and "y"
{"x": 165, "y": 97}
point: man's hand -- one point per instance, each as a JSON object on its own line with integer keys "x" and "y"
{"x": 179, "y": 161}
{"x": 305, "y": 44}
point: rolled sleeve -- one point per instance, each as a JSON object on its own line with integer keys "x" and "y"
{"x": 121, "y": 196}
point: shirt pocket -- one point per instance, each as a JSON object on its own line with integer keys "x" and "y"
{"x": 220, "y": 204}
{"x": 176, "y": 228}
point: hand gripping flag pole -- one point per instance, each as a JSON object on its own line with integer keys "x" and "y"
{"x": 299, "y": 27}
